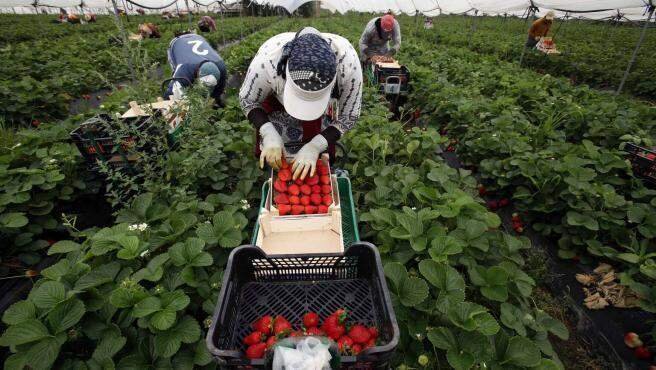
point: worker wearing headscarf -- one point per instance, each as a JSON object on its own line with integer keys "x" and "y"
{"x": 287, "y": 92}
{"x": 206, "y": 24}
{"x": 192, "y": 58}
{"x": 539, "y": 29}
{"x": 378, "y": 33}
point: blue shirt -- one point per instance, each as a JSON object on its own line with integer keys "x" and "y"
{"x": 186, "y": 53}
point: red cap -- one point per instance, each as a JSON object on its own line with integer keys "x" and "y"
{"x": 387, "y": 22}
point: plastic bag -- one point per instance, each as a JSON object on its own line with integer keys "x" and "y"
{"x": 310, "y": 354}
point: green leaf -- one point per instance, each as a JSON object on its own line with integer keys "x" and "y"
{"x": 19, "y": 312}
{"x": 108, "y": 346}
{"x": 442, "y": 338}
{"x": 163, "y": 319}
{"x": 460, "y": 360}
{"x": 24, "y": 332}
{"x": 168, "y": 342}
{"x": 99, "y": 275}
{"x": 58, "y": 270}
{"x": 175, "y": 300}
{"x": 546, "y": 364}
{"x": 578, "y": 219}
{"x": 146, "y": 307}
{"x": 66, "y": 314}
{"x": 13, "y": 220}
{"x": 487, "y": 324}
{"x": 42, "y": 354}
{"x": 475, "y": 229}
{"x": 64, "y": 246}
{"x": 521, "y": 351}
{"x": 190, "y": 253}
{"x": 48, "y": 294}
{"x": 413, "y": 291}
{"x": 396, "y": 272}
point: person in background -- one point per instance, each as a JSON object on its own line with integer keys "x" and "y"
{"x": 141, "y": 11}
{"x": 428, "y": 23}
{"x": 63, "y": 15}
{"x": 539, "y": 29}
{"x": 378, "y": 33}
{"x": 193, "y": 59}
{"x": 206, "y": 24}
{"x": 149, "y": 31}
{"x": 90, "y": 17}
{"x": 287, "y": 92}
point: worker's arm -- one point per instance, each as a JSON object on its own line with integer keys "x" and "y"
{"x": 365, "y": 37}
{"x": 220, "y": 87}
{"x": 183, "y": 75}
{"x": 350, "y": 99}
{"x": 396, "y": 38}
{"x": 534, "y": 28}
{"x": 255, "y": 89}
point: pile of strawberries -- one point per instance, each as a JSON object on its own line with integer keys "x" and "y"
{"x": 640, "y": 350}
{"x": 309, "y": 196}
{"x": 517, "y": 224}
{"x": 268, "y": 330}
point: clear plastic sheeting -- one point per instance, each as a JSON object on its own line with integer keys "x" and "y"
{"x": 591, "y": 9}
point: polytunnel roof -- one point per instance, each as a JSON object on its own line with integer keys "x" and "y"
{"x": 593, "y": 9}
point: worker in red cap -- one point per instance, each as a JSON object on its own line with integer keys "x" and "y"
{"x": 379, "y": 32}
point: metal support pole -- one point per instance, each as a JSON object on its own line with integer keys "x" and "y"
{"x": 188, "y": 13}
{"x": 521, "y": 58}
{"x": 241, "y": 20}
{"x": 124, "y": 36}
{"x": 472, "y": 29}
{"x": 635, "y": 51}
{"x": 222, "y": 26}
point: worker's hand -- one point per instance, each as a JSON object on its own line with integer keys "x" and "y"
{"x": 537, "y": 38}
{"x": 306, "y": 159}
{"x": 271, "y": 146}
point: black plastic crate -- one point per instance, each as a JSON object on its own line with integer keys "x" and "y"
{"x": 255, "y": 285}
{"x": 95, "y": 142}
{"x": 643, "y": 161}
{"x": 392, "y": 75}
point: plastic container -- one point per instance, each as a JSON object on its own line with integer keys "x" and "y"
{"x": 95, "y": 143}
{"x": 392, "y": 80}
{"x": 643, "y": 162}
{"x": 350, "y": 232}
{"x": 255, "y": 285}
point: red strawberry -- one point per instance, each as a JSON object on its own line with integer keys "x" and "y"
{"x": 316, "y": 189}
{"x": 285, "y": 175}
{"x": 310, "y": 210}
{"x": 263, "y": 324}
{"x": 280, "y": 186}
{"x": 294, "y": 189}
{"x": 344, "y": 343}
{"x": 316, "y": 199}
{"x": 325, "y": 179}
{"x": 256, "y": 350}
{"x": 253, "y": 338}
{"x": 315, "y": 331}
{"x": 481, "y": 190}
{"x": 356, "y": 349}
{"x": 284, "y": 164}
{"x": 333, "y": 325}
{"x": 326, "y": 189}
{"x": 297, "y": 209}
{"x": 299, "y": 182}
{"x": 294, "y": 200}
{"x": 306, "y": 189}
{"x": 370, "y": 343}
{"x": 295, "y": 333}
{"x": 271, "y": 341}
{"x": 327, "y": 200}
{"x": 323, "y": 170}
{"x": 36, "y": 123}
{"x": 503, "y": 202}
{"x": 374, "y": 332}
{"x": 322, "y": 209}
{"x": 515, "y": 217}
{"x": 492, "y": 205}
{"x": 632, "y": 340}
{"x": 284, "y": 209}
{"x": 312, "y": 180}
{"x": 305, "y": 200}
{"x": 359, "y": 334}
{"x": 642, "y": 353}
{"x": 281, "y": 325}
{"x": 281, "y": 199}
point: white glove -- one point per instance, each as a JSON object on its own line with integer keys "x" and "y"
{"x": 306, "y": 158}
{"x": 178, "y": 92}
{"x": 271, "y": 146}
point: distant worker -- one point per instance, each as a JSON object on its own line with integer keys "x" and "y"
{"x": 149, "y": 31}
{"x": 206, "y": 24}
{"x": 539, "y": 29}
{"x": 73, "y": 18}
{"x": 167, "y": 14}
{"x": 63, "y": 15}
{"x": 377, "y": 34}
{"x": 287, "y": 93}
{"x": 141, "y": 11}
{"x": 428, "y": 23}
{"x": 90, "y": 17}
{"x": 192, "y": 59}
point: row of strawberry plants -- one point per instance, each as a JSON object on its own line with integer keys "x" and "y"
{"x": 42, "y": 76}
{"x": 458, "y": 287}
{"x": 557, "y": 157}
{"x": 137, "y": 294}
{"x": 593, "y": 53}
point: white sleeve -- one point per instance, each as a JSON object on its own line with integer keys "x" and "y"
{"x": 257, "y": 85}
{"x": 366, "y": 36}
{"x": 350, "y": 88}
{"x": 396, "y": 37}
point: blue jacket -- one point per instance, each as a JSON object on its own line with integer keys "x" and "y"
{"x": 186, "y": 53}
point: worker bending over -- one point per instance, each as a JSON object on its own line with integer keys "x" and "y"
{"x": 539, "y": 29}
{"x": 378, "y": 33}
{"x": 192, "y": 58}
{"x": 288, "y": 88}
